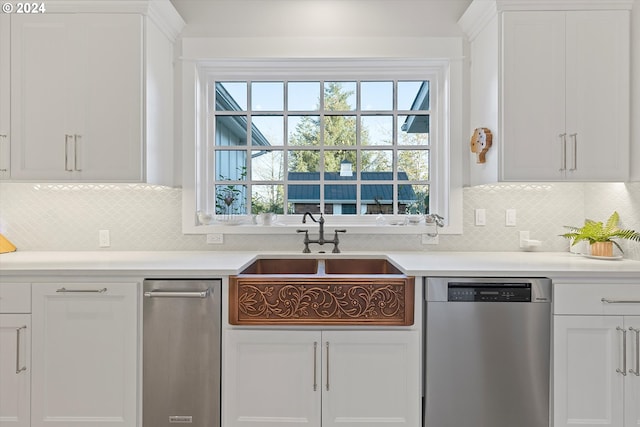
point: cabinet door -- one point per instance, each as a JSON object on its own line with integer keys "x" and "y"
{"x": 587, "y": 388}
{"x": 108, "y": 134}
{"x": 598, "y": 90}
{"x": 533, "y": 114}
{"x": 43, "y": 76}
{"x": 371, "y": 378}
{"x": 15, "y": 370}
{"x": 5, "y": 105}
{"x": 271, "y": 378}
{"x": 84, "y": 355}
{"x": 632, "y": 380}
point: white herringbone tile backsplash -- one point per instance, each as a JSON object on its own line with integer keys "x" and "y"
{"x": 144, "y": 217}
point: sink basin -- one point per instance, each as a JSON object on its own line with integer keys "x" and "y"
{"x": 321, "y": 267}
{"x": 283, "y": 266}
{"x": 359, "y": 266}
{"x": 332, "y": 291}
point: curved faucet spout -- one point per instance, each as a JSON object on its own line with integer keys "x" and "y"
{"x": 304, "y": 218}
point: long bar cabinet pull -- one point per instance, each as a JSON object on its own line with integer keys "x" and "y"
{"x": 563, "y": 165}
{"x": 66, "y": 152}
{"x": 327, "y": 384}
{"x": 177, "y": 294}
{"x": 4, "y": 137}
{"x": 18, "y": 367}
{"x": 620, "y": 301}
{"x": 76, "y": 137}
{"x": 315, "y": 365}
{"x": 81, "y": 291}
{"x": 574, "y": 136}
{"x": 636, "y": 372}
{"x": 623, "y": 371}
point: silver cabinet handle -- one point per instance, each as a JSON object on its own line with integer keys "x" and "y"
{"x": 327, "y": 384}
{"x": 574, "y": 136}
{"x": 315, "y": 365}
{"x": 83, "y": 291}
{"x": 177, "y": 294}
{"x": 18, "y": 367}
{"x": 563, "y": 141}
{"x": 4, "y": 137}
{"x": 76, "y": 137}
{"x": 66, "y": 152}
{"x": 623, "y": 371}
{"x": 636, "y": 372}
{"x": 620, "y": 301}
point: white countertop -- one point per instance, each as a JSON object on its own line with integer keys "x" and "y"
{"x": 204, "y": 263}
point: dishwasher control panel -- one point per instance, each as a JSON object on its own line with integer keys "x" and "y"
{"x": 489, "y": 292}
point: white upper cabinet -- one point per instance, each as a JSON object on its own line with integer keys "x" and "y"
{"x": 91, "y": 95}
{"x": 77, "y": 96}
{"x": 553, "y": 86}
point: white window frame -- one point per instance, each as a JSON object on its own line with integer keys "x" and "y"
{"x": 445, "y": 158}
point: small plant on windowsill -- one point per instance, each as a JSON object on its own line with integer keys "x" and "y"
{"x": 601, "y": 235}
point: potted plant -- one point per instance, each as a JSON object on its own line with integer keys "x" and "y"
{"x": 600, "y": 236}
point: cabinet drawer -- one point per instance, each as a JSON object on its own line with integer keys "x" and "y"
{"x": 15, "y": 298}
{"x": 602, "y": 299}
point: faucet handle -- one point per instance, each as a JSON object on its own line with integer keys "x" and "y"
{"x": 302, "y": 231}
{"x": 340, "y": 231}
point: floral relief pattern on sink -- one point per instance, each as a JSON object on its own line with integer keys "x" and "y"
{"x": 349, "y": 292}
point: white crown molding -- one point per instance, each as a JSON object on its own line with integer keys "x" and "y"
{"x": 161, "y": 12}
{"x": 477, "y": 16}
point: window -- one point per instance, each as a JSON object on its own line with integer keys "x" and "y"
{"x": 351, "y": 139}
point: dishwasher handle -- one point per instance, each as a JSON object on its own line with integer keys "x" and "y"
{"x": 177, "y": 294}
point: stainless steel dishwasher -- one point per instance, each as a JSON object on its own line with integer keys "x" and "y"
{"x": 487, "y": 352}
{"x": 181, "y": 353}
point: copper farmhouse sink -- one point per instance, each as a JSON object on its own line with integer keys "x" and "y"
{"x": 334, "y": 291}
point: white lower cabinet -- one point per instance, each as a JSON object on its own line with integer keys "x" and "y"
{"x": 321, "y": 378}
{"x": 84, "y": 355}
{"x": 596, "y": 356}
{"x": 15, "y": 354}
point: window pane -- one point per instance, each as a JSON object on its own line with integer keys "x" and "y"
{"x": 377, "y": 164}
{"x": 267, "y": 96}
{"x": 376, "y": 130}
{"x": 340, "y": 96}
{"x": 267, "y": 198}
{"x": 231, "y": 165}
{"x": 267, "y": 165}
{"x": 413, "y": 130}
{"x": 231, "y": 199}
{"x": 340, "y": 164}
{"x": 231, "y": 130}
{"x": 267, "y": 130}
{"x": 303, "y": 96}
{"x": 303, "y": 161}
{"x": 376, "y": 96}
{"x": 303, "y": 198}
{"x": 338, "y": 196}
{"x": 231, "y": 96}
{"x": 413, "y": 95}
{"x": 413, "y": 165}
{"x": 340, "y": 130}
{"x": 377, "y": 199}
{"x": 413, "y": 199}
{"x": 304, "y": 130}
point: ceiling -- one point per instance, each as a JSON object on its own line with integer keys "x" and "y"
{"x": 321, "y": 18}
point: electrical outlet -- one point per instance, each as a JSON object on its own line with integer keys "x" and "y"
{"x": 481, "y": 217}
{"x": 215, "y": 239}
{"x": 104, "y": 240}
{"x": 510, "y": 218}
{"x": 430, "y": 240}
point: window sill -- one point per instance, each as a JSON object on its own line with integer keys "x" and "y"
{"x": 329, "y": 227}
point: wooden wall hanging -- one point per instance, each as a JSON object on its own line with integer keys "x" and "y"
{"x": 480, "y": 143}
